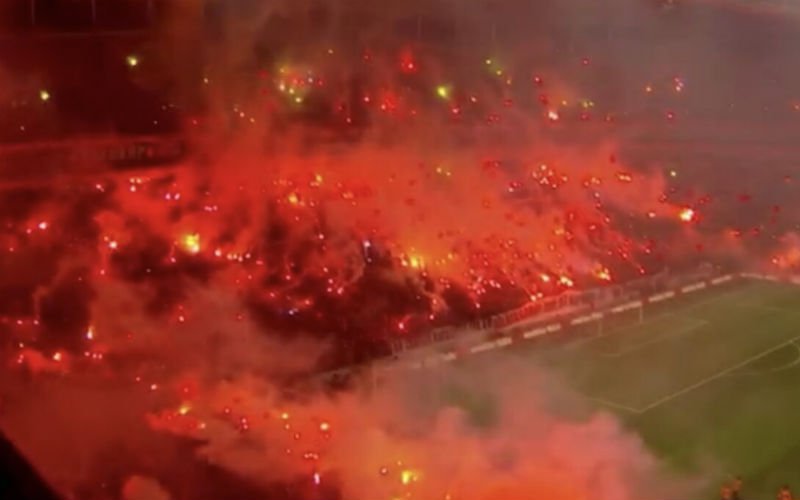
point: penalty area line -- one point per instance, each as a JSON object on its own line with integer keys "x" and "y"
{"x": 688, "y": 329}
{"x": 612, "y": 404}
{"x": 787, "y": 366}
{"x": 707, "y": 380}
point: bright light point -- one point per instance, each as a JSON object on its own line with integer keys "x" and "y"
{"x": 57, "y": 356}
{"x": 293, "y": 198}
{"x": 191, "y": 243}
{"x": 132, "y": 60}
{"x": 603, "y": 274}
{"x": 443, "y": 171}
{"x": 408, "y": 476}
{"x": 488, "y": 62}
{"x": 552, "y": 116}
{"x": 90, "y": 333}
{"x": 284, "y": 416}
{"x": 44, "y": 95}
{"x": 673, "y": 173}
{"x": 687, "y": 215}
{"x": 624, "y": 177}
{"x": 443, "y": 91}
{"x": 43, "y": 225}
{"x": 324, "y": 426}
{"x": 184, "y": 409}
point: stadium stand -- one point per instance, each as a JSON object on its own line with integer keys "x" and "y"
{"x": 68, "y": 88}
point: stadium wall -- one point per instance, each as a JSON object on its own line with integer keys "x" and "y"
{"x": 583, "y": 310}
{"x": 42, "y": 161}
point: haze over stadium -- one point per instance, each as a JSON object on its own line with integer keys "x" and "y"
{"x": 231, "y": 229}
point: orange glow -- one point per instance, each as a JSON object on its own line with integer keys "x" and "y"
{"x": 191, "y": 243}
{"x": 408, "y": 476}
{"x": 603, "y": 274}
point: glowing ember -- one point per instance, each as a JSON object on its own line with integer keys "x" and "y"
{"x": 191, "y": 243}
{"x": 408, "y": 476}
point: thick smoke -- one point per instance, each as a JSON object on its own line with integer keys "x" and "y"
{"x": 359, "y": 174}
{"x": 462, "y": 437}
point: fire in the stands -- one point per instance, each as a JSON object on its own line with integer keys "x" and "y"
{"x": 228, "y": 229}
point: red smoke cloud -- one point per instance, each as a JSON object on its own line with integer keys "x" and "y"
{"x": 340, "y": 193}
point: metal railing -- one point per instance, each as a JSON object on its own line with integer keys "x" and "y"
{"x": 43, "y": 161}
{"x": 429, "y": 349}
{"x": 567, "y": 303}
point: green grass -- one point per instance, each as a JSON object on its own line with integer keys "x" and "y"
{"x": 710, "y": 378}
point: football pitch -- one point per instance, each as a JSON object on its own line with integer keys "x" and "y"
{"x": 710, "y": 381}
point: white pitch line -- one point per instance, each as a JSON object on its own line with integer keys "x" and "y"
{"x": 679, "y": 312}
{"x": 790, "y": 365}
{"x": 770, "y": 308}
{"x": 612, "y": 404}
{"x": 785, "y": 367}
{"x": 713, "y": 299}
{"x": 714, "y": 377}
{"x": 650, "y": 320}
{"x": 680, "y": 332}
{"x": 578, "y": 343}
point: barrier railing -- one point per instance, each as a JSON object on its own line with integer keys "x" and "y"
{"x": 547, "y": 307}
{"x": 448, "y": 344}
{"x": 43, "y": 159}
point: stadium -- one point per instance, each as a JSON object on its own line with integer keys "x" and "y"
{"x": 323, "y": 250}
